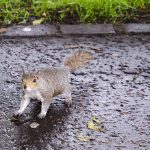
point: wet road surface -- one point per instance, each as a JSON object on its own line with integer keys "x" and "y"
{"x": 114, "y": 87}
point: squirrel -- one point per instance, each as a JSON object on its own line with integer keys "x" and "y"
{"x": 45, "y": 84}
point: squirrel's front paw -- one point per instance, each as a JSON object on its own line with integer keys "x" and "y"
{"x": 41, "y": 116}
{"x": 17, "y": 113}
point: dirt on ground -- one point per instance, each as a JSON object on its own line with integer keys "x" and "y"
{"x": 111, "y": 98}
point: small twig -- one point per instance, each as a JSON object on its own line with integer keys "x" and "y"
{"x": 83, "y": 46}
{"x": 131, "y": 72}
{"x": 94, "y": 48}
{"x": 112, "y": 85}
{"x": 71, "y": 46}
{"x": 134, "y": 142}
{"x": 119, "y": 146}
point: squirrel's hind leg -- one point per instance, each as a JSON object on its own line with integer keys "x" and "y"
{"x": 68, "y": 97}
{"x": 68, "y": 100}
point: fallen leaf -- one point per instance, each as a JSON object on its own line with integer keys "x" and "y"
{"x": 83, "y": 138}
{"x": 16, "y": 120}
{"x": 95, "y": 124}
{"x": 92, "y": 126}
{"x": 23, "y": 22}
{"x": 38, "y": 21}
{"x": 44, "y": 14}
{"x": 2, "y": 30}
{"x": 94, "y": 118}
{"x": 34, "y": 125}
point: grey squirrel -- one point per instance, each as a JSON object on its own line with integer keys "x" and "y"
{"x": 48, "y": 83}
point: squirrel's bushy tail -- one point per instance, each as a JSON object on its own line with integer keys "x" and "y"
{"x": 77, "y": 60}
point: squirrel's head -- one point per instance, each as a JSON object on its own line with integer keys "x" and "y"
{"x": 29, "y": 81}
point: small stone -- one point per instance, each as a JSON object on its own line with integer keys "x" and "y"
{"x": 27, "y": 29}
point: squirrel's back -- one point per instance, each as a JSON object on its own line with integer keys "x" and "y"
{"x": 54, "y": 79}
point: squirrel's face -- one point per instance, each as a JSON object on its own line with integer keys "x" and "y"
{"x": 29, "y": 82}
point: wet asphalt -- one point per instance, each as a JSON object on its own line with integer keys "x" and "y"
{"x": 114, "y": 87}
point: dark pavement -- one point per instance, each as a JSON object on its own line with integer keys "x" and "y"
{"x": 115, "y": 87}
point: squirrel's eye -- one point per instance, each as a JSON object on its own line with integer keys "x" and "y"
{"x": 34, "y": 80}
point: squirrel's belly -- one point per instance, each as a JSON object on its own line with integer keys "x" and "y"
{"x": 35, "y": 95}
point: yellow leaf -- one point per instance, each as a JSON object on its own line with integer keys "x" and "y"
{"x": 83, "y": 138}
{"x": 38, "y": 21}
{"x": 94, "y": 118}
{"x": 95, "y": 124}
{"x": 44, "y": 14}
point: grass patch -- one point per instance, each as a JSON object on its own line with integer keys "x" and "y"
{"x": 72, "y": 11}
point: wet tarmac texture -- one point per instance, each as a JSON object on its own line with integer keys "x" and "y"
{"x": 114, "y": 87}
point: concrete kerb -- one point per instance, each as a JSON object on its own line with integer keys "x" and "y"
{"x": 82, "y": 29}
{"x": 87, "y": 29}
{"x": 30, "y": 31}
{"x": 133, "y": 28}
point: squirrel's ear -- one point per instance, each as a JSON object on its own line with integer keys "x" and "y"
{"x": 37, "y": 75}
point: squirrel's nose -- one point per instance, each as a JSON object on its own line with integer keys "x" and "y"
{"x": 25, "y": 87}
